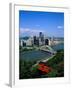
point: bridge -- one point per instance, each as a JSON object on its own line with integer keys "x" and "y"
{"x": 48, "y": 49}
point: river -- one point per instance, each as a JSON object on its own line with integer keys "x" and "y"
{"x": 37, "y": 55}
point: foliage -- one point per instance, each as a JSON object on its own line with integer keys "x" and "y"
{"x": 56, "y": 63}
{"x": 24, "y": 69}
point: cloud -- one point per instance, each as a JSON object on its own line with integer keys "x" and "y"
{"x": 30, "y": 32}
{"x": 22, "y": 30}
{"x": 25, "y": 30}
{"x": 60, "y": 27}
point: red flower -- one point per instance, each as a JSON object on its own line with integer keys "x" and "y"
{"x": 44, "y": 68}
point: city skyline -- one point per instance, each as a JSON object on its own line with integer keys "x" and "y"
{"x": 33, "y": 22}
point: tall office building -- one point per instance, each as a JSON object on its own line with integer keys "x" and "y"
{"x": 46, "y": 42}
{"x": 41, "y": 37}
{"x": 35, "y": 39}
{"x": 40, "y": 34}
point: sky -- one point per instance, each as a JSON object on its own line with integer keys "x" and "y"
{"x": 33, "y": 22}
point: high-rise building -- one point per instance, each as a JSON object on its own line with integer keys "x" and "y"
{"x": 35, "y": 39}
{"x": 40, "y": 34}
{"x": 46, "y": 42}
{"x": 24, "y": 44}
{"x": 41, "y": 37}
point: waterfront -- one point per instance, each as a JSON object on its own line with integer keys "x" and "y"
{"x": 36, "y": 55}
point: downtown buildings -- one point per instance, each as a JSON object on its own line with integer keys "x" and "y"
{"x": 38, "y": 41}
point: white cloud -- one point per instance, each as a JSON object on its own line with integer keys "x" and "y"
{"x": 23, "y": 30}
{"x": 59, "y": 27}
{"x": 30, "y": 32}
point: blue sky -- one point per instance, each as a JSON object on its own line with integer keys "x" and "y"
{"x": 33, "y": 22}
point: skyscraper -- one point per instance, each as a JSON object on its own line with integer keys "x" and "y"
{"x": 46, "y": 42}
{"x": 41, "y": 37}
{"x": 34, "y": 40}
